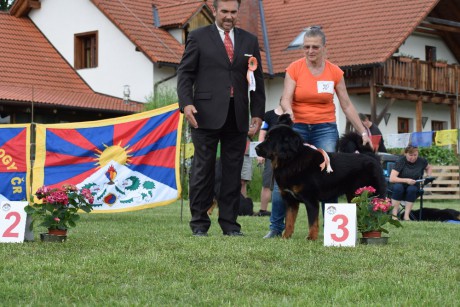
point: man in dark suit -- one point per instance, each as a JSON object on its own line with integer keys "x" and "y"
{"x": 213, "y": 95}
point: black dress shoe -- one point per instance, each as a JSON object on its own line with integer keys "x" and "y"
{"x": 235, "y": 233}
{"x": 200, "y": 233}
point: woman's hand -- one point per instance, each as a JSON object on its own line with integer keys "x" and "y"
{"x": 367, "y": 140}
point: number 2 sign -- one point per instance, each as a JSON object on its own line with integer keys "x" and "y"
{"x": 12, "y": 221}
{"x": 340, "y": 225}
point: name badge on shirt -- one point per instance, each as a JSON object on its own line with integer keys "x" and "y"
{"x": 325, "y": 87}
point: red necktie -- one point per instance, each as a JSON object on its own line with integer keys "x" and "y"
{"x": 228, "y": 46}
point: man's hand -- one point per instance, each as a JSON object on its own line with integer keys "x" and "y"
{"x": 260, "y": 161}
{"x": 256, "y": 123}
{"x": 189, "y": 112}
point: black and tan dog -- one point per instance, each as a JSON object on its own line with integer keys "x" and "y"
{"x": 436, "y": 215}
{"x": 303, "y": 173}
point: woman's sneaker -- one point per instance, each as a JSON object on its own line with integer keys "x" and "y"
{"x": 273, "y": 234}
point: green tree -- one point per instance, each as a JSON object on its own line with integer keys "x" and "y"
{"x": 5, "y": 4}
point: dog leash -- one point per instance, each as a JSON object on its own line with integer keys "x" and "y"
{"x": 327, "y": 161}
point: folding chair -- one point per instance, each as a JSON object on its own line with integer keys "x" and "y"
{"x": 423, "y": 182}
{"x": 388, "y": 163}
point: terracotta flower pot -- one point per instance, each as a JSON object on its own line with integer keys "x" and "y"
{"x": 57, "y": 232}
{"x": 372, "y": 234}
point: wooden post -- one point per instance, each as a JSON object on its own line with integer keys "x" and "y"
{"x": 373, "y": 96}
{"x": 418, "y": 114}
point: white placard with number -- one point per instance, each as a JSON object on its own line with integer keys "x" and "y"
{"x": 252, "y": 149}
{"x": 340, "y": 225}
{"x": 12, "y": 221}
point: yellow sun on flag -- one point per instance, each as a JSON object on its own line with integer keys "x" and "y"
{"x": 113, "y": 153}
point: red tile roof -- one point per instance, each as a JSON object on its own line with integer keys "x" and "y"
{"x": 359, "y": 32}
{"x": 135, "y": 19}
{"x": 177, "y": 13}
{"x": 31, "y": 69}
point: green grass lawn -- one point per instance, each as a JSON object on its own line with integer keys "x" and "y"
{"x": 149, "y": 257}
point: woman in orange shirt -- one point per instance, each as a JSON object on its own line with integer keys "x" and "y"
{"x": 308, "y": 96}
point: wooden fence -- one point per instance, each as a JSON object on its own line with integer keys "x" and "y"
{"x": 446, "y": 185}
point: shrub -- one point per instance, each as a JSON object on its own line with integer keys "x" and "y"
{"x": 436, "y": 155}
{"x": 165, "y": 96}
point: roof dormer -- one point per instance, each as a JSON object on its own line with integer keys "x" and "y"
{"x": 21, "y": 8}
{"x": 179, "y": 18}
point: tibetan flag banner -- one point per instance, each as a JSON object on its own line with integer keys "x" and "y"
{"x": 397, "y": 140}
{"x": 14, "y": 162}
{"x": 421, "y": 139}
{"x": 128, "y": 163}
{"x": 446, "y": 137}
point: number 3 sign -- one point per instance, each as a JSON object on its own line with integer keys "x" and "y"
{"x": 12, "y": 221}
{"x": 340, "y": 225}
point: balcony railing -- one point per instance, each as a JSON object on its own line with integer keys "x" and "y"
{"x": 414, "y": 75}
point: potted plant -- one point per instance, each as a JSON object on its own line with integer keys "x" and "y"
{"x": 57, "y": 208}
{"x": 440, "y": 63}
{"x": 373, "y": 213}
{"x": 406, "y": 58}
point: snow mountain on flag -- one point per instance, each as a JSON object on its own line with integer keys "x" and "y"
{"x": 116, "y": 186}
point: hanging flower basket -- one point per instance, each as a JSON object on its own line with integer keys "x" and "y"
{"x": 405, "y": 59}
{"x": 439, "y": 64}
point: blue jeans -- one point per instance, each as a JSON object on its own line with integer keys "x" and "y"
{"x": 323, "y": 136}
{"x": 401, "y": 191}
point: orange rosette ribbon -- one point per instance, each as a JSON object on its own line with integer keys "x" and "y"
{"x": 252, "y": 63}
{"x": 252, "y": 66}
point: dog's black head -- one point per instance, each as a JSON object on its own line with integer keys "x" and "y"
{"x": 285, "y": 119}
{"x": 281, "y": 143}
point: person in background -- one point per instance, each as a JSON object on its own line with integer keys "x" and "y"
{"x": 373, "y": 130}
{"x": 213, "y": 94}
{"x": 270, "y": 120}
{"x": 309, "y": 87}
{"x": 403, "y": 176}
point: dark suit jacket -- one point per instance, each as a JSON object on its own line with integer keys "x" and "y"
{"x": 206, "y": 74}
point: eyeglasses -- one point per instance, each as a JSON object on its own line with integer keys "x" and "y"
{"x": 314, "y": 28}
{"x": 313, "y": 47}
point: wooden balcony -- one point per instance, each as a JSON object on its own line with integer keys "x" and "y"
{"x": 415, "y": 76}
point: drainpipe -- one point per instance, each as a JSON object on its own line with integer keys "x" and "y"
{"x": 456, "y": 110}
{"x": 265, "y": 34}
